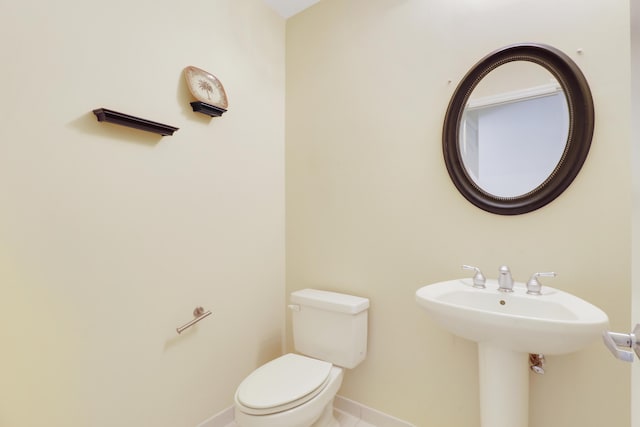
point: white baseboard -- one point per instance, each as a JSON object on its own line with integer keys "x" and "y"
{"x": 355, "y": 409}
{"x": 368, "y": 415}
{"x": 221, "y": 419}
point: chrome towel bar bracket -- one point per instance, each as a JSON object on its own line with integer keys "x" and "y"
{"x": 198, "y": 314}
{"x": 615, "y": 340}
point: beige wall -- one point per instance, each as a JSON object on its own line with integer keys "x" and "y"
{"x": 109, "y": 237}
{"x": 371, "y": 210}
{"x": 635, "y": 151}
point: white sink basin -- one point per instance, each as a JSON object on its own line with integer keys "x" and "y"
{"x": 555, "y": 322}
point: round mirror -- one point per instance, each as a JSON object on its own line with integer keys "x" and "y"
{"x": 518, "y": 129}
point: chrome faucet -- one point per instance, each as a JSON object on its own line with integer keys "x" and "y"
{"x": 505, "y": 281}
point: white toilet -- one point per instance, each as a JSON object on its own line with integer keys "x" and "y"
{"x": 298, "y": 391}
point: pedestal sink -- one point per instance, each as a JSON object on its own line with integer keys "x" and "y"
{"x": 507, "y": 327}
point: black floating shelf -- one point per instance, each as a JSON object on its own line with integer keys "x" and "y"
{"x": 208, "y": 109}
{"x": 110, "y": 116}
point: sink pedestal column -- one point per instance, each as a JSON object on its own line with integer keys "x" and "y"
{"x": 504, "y": 387}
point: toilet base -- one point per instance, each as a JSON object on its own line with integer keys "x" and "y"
{"x": 327, "y": 419}
{"x": 317, "y": 412}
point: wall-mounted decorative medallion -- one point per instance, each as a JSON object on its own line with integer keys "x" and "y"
{"x": 207, "y": 89}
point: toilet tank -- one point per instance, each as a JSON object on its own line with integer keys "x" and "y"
{"x": 330, "y": 326}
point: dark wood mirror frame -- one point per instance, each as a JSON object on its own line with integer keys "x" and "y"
{"x": 581, "y": 122}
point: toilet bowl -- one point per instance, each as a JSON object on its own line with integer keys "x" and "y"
{"x": 291, "y": 391}
{"x": 297, "y": 390}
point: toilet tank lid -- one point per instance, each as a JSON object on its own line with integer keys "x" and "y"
{"x": 330, "y": 301}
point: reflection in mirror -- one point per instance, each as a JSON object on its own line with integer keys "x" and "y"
{"x": 514, "y": 129}
{"x": 518, "y": 128}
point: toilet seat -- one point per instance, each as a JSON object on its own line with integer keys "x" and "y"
{"x": 282, "y": 384}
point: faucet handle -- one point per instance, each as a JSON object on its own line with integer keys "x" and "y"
{"x": 534, "y": 286}
{"x": 478, "y": 279}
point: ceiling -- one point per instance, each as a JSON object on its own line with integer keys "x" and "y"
{"x": 287, "y": 8}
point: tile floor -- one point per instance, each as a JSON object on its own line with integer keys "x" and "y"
{"x": 345, "y": 420}
{"x": 348, "y": 413}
